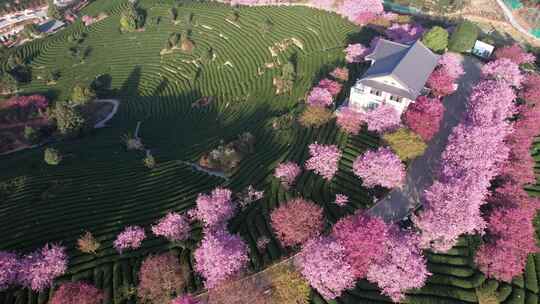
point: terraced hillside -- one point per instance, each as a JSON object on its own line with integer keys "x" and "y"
{"x": 100, "y": 187}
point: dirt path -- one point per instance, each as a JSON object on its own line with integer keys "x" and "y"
{"x": 400, "y": 202}
{"x": 116, "y": 104}
{"x": 100, "y": 124}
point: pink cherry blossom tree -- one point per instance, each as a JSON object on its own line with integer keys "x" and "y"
{"x": 451, "y": 63}
{"x": 324, "y": 160}
{"x": 355, "y": 53}
{"x": 341, "y": 200}
{"x": 349, "y": 120}
{"x": 363, "y": 237}
{"x": 531, "y": 88}
{"x": 340, "y": 74}
{"x": 130, "y": 238}
{"x": 9, "y": 269}
{"x": 77, "y": 293}
{"x": 483, "y": 110}
{"x": 287, "y": 173}
{"x": 401, "y": 267}
{"x": 39, "y": 269}
{"x": 383, "y": 118}
{"x": 297, "y": 221}
{"x": 361, "y": 12}
{"x": 216, "y": 208}
{"x": 504, "y": 70}
{"x": 185, "y": 299}
{"x": 322, "y": 262}
{"x": 424, "y": 117}
{"x": 380, "y": 168}
{"x": 320, "y": 97}
{"x": 515, "y": 53}
{"x": 404, "y": 33}
{"x": 513, "y": 239}
{"x": 331, "y": 86}
{"x": 441, "y": 83}
{"x": 220, "y": 257}
{"x": 174, "y": 227}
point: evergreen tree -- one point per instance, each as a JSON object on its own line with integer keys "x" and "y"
{"x": 52, "y": 10}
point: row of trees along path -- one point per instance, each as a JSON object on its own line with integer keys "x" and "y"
{"x": 399, "y": 203}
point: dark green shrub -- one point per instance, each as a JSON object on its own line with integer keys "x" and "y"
{"x": 531, "y": 279}
{"x": 69, "y": 120}
{"x": 52, "y": 157}
{"x": 464, "y": 37}
{"x": 31, "y": 134}
{"x": 82, "y": 94}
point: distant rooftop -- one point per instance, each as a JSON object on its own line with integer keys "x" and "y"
{"x": 410, "y": 65}
{"x": 51, "y": 26}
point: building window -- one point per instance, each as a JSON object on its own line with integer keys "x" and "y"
{"x": 396, "y": 98}
{"x": 376, "y": 92}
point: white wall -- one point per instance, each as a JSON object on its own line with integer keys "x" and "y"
{"x": 360, "y": 98}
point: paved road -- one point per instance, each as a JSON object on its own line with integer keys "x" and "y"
{"x": 510, "y": 17}
{"x": 399, "y": 202}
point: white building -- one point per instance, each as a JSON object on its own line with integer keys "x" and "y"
{"x": 397, "y": 75}
{"x": 63, "y": 3}
{"x": 13, "y": 23}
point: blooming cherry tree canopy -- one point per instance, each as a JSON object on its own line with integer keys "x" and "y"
{"x": 130, "y": 238}
{"x": 380, "y": 168}
{"x": 322, "y": 262}
{"x": 324, "y": 160}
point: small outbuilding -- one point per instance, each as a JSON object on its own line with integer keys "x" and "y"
{"x": 482, "y": 49}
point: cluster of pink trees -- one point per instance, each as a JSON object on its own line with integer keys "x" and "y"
{"x": 424, "y": 117}
{"x": 297, "y": 221}
{"x": 515, "y": 53}
{"x": 361, "y": 246}
{"x": 474, "y": 155}
{"x": 331, "y": 86}
{"x": 130, "y": 238}
{"x": 363, "y": 239}
{"x": 221, "y": 255}
{"x": 37, "y": 101}
{"x": 511, "y": 236}
{"x": 401, "y": 266}
{"x": 322, "y": 262}
{"x": 531, "y": 88}
{"x": 504, "y": 70}
{"x": 36, "y": 270}
{"x": 174, "y": 227}
{"x": 77, "y": 293}
{"x": 361, "y": 12}
{"x": 404, "y": 33}
{"x": 380, "y": 168}
{"x": 215, "y": 209}
{"x": 287, "y": 173}
{"x": 324, "y": 160}
{"x": 185, "y": 299}
{"x": 443, "y": 79}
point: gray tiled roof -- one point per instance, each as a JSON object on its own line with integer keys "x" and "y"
{"x": 409, "y": 65}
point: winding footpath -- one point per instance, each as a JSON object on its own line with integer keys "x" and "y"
{"x": 400, "y": 202}
{"x": 116, "y": 104}
{"x": 510, "y": 18}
